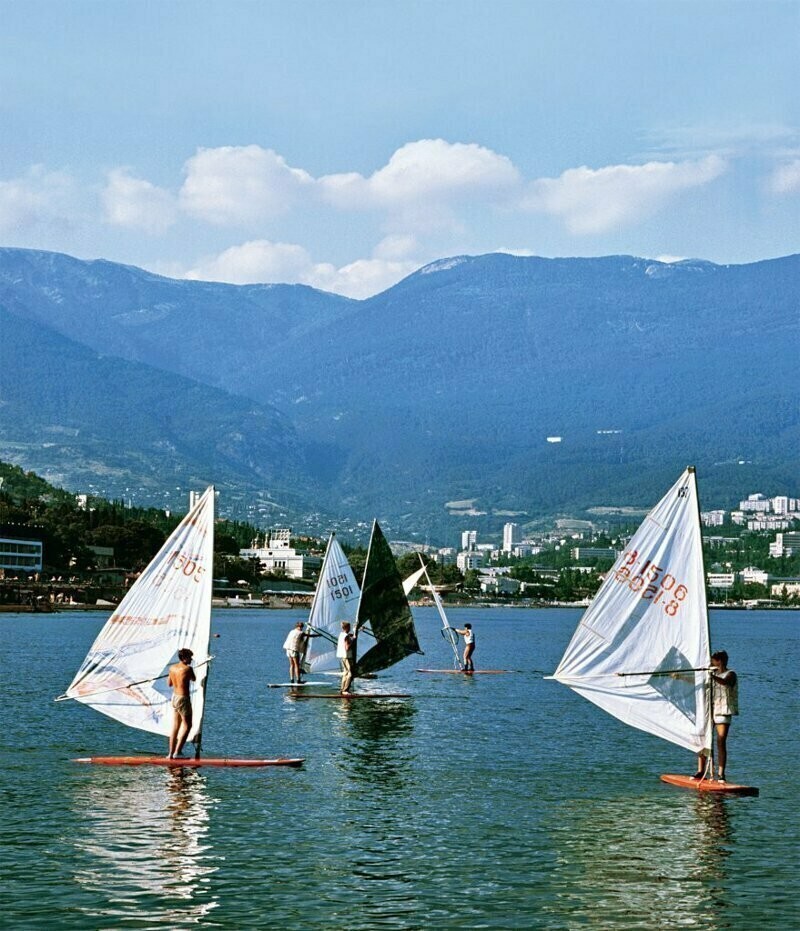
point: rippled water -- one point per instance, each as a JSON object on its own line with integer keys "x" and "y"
{"x": 485, "y": 802}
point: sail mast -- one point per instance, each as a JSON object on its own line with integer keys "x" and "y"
{"x": 440, "y": 608}
{"x": 359, "y": 622}
{"x": 321, "y": 579}
{"x": 708, "y": 687}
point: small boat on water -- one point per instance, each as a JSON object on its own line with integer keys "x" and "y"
{"x": 167, "y": 609}
{"x": 642, "y": 649}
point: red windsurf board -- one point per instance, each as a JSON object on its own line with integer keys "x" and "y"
{"x": 203, "y": 761}
{"x": 708, "y": 785}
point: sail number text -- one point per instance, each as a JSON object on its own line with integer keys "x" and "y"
{"x": 338, "y": 587}
{"x": 187, "y": 566}
{"x": 652, "y": 582}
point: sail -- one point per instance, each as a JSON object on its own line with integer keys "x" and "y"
{"x": 410, "y": 582}
{"x": 168, "y": 608}
{"x": 447, "y": 631}
{"x": 335, "y": 600}
{"x": 383, "y": 610}
{"x": 650, "y": 618}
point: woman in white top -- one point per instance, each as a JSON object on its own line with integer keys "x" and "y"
{"x": 724, "y": 704}
{"x": 469, "y": 646}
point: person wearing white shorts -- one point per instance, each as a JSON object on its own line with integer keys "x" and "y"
{"x": 724, "y": 705}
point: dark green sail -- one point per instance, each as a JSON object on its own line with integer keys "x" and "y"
{"x": 384, "y": 610}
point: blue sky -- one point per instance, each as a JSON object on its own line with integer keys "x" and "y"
{"x": 344, "y": 144}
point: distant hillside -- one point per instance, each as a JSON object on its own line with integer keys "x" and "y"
{"x": 107, "y": 426}
{"x": 447, "y": 386}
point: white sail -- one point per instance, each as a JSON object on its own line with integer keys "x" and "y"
{"x": 168, "y": 608}
{"x": 411, "y": 581}
{"x": 649, "y": 617}
{"x": 335, "y": 600}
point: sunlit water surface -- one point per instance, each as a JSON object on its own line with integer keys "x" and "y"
{"x": 485, "y": 802}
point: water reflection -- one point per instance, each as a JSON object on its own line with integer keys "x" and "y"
{"x": 142, "y": 845}
{"x": 659, "y": 860}
{"x": 378, "y": 735}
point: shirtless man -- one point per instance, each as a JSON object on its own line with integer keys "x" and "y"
{"x": 346, "y": 654}
{"x": 469, "y": 646}
{"x": 181, "y": 675}
{"x": 724, "y": 704}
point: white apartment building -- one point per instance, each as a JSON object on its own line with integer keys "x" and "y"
{"x": 720, "y": 580}
{"x": 780, "y": 504}
{"x": 446, "y": 556}
{"x": 713, "y": 518}
{"x": 786, "y": 544}
{"x": 769, "y": 522}
{"x": 469, "y": 559}
{"x": 787, "y": 587}
{"x": 751, "y": 575}
{"x": 755, "y": 503}
{"x": 469, "y": 539}
{"x": 511, "y": 536}
{"x": 593, "y": 552}
{"x": 16, "y": 554}
{"x": 500, "y": 585}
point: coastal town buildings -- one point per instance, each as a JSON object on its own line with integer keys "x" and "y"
{"x": 275, "y": 553}
{"x": 20, "y": 555}
{"x": 511, "y": 536}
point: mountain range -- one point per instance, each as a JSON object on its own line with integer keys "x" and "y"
{"x": 476, "y": 390}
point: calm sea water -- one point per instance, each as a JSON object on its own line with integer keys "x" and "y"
{"x": 485, "y": 802}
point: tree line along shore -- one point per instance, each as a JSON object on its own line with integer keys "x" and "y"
{"x": 93, "y": 550}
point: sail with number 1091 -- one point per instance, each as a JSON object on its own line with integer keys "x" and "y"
{"x": 641, "y": 651}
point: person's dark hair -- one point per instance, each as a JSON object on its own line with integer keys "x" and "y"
{"x": 721, "y": 655}
{"x": 468, "y": 626}
{"x": 185, "y": 655}
{"x": 345, "y": 625}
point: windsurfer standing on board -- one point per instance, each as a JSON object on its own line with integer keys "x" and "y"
{"x": 295, "y": 647}
{"x": 724, "y": 704}
{"x": 181, "y": 675}
{"x": 346, "y": 654}
{"x": 469, "y": 646}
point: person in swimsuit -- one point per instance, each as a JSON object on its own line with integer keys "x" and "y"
{"x": 346, "y": 654}
{"x": 469, "y": 646}
{"x": 724, "y": 704}
{"x": 180, "y": 677}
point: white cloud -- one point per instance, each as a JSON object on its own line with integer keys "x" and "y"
{"x": 364, "y": 277}
{"x": 240, "y": 185}
{"x": 137, "y": 204}
{"x": 395, "y": 247}
{"x": 421, "y": 172}
{"x": 255, "y": 262}
{"x": 786, "y": 178}
{"x": 263, "y": 262}
{"x": 39, "y": 199}
{"x": 596, "y": 200}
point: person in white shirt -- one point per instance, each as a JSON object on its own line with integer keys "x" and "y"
{"x": 724, "y": 704}
{"x": 295, "y": 647}
{"x": 346, "y": 654}
{"x": 469, "y": 646}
